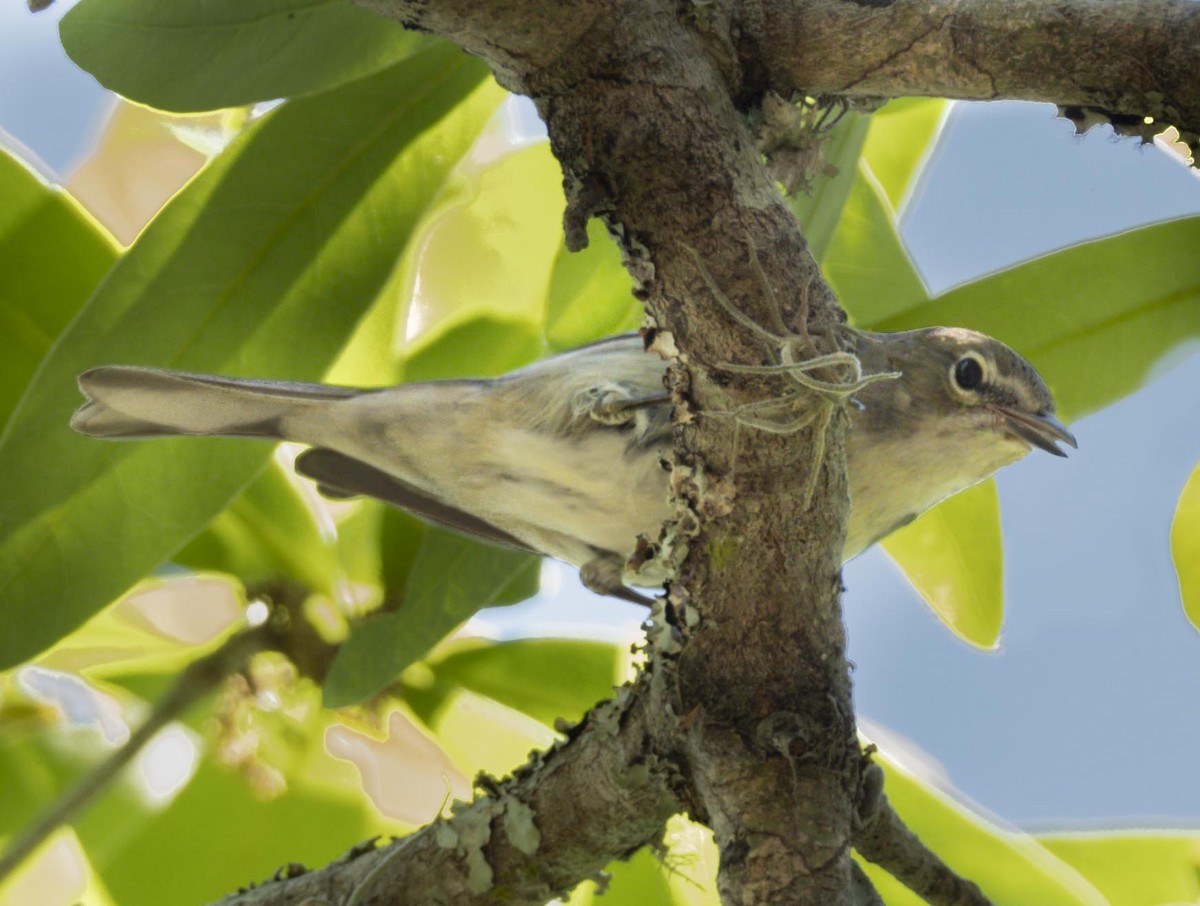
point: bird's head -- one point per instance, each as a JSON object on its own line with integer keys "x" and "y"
{"x": 963, "y": 406}
{"x": 954, "y": 382}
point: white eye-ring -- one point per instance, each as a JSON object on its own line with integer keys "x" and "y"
{"x": 968, "y": 372}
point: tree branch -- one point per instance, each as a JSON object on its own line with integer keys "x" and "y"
{"x": 882, "y": 837}
{"x": 199, "y": 679}
{"x": 599, "y": 796}
{"x": 1126, "y": 58}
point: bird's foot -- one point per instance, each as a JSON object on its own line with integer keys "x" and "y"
{"x": 611, "y": 403}
{"x": 603, "y": 575}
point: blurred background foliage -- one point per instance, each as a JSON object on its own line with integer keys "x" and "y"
{"x": 389, "y": 222}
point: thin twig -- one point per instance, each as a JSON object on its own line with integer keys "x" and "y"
{"x": 884, "y": 839}
{"x": 862, "y": 889}
{"x": 200, "y": 677}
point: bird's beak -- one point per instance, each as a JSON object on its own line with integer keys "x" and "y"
{"x": 1042, "y": 430}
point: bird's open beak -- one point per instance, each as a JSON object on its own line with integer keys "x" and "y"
{"x": 1042, "y": 430}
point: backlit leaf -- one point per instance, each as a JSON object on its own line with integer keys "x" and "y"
{"x": 193, "y": 55}
{"x": 1097, "y": 319}
{"x": 1185, "y": 546}
{"x": 1135, "y": 868}
{"x": 52, "y": 255}
{"x": 262, "y": 265}
{"x": 1009, "y": 866}
{"x": 953, "y": 556}
{"x": 514, "y": 673}
{"x": 451, "y": 579}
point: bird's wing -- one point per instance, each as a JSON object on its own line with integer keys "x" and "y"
{"x": 338, "y": 475}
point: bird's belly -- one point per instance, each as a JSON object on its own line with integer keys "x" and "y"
{"x": 572, "y": 498}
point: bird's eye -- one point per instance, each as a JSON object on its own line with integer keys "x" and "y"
{"x": 968, "y": 372}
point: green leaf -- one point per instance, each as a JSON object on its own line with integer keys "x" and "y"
{"x": 877, "y": 160}
{"x": 480, "y": 734}
{"x": 1134, "y": 868}
{"x": 639, "y": 880}
{"x": 1185, "y": 546}
{"x": 866, "y": 262}
{"x": 269, "y": 531}
{"x": 1010, "y": 866}
{"x": 481, "y": 346}
{"x": 820, "y": 209}
{"x": 1097, "y": 319}
{"x": 504, "y": 216}
{"x": 141, "y": 633}
{"x": 52, "y": 255}
{"x": 244, "y": 835}
{"x": 515, "y": 674}
{"x": 261, "y": 266}
{"x": 193, "y": 55}
{"x": 400, "y": 538}
{"x": 452, "y": 578}
{"x": 903, "y": 135}
{"x": 589, "y": 296}
{"x": 953, "y": 556}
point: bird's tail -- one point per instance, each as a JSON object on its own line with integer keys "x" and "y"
{"x": 129, "y": 402}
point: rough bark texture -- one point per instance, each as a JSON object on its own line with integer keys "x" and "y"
{"x": 744, "y": 716}
{"x": 571, "y": 811}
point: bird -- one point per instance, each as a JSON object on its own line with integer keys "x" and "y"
{"x": 565, "y": 457}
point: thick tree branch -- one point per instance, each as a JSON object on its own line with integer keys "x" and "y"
{"x": 637, "y": 101}
{"x": 562, "y": 818}
{"x": 1130, "y": 58}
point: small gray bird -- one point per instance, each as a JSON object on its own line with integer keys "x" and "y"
{"x": 542, "y": 459}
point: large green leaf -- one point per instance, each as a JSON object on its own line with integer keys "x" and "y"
{"x": 882, "y": 154}
{"x": 503, "y": 216}
{"x": 866, "y": 262}
{"x": 820, "y": 209}
{"x": 52, "y": 255}
{"x": 1096, "y": 319}
{"x": 589, "y": 295}
{"x": 1135, "y": 868}
{"x": 192, "y": 55}
{"x": 1185, "y": 546}
{"x": 1011, "y": 867}
{"x": 261, "y": 266}
{"x": 903, "y": 136}
{"x": 953, "y": 555}
{"x": 481, "y": 734}
{"x": 480, "y": 346}
{"x": 515, "y": 674}
{"x": 267, "y": 532}
{"x": 452, "y": 578}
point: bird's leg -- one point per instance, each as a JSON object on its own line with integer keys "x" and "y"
{"x": 611, "y": 403}
{"x": 603, "y": 575}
